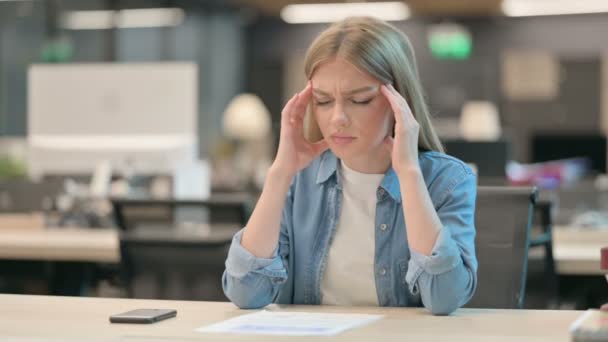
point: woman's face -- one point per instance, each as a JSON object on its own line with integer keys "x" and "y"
{"x": 352, "y": 113}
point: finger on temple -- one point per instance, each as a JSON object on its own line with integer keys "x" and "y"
{"x": 402, "y": 100}
{"x": 286, "y": 113}
{"x": 390, "y": 96}
{"x": 303, "y": 100}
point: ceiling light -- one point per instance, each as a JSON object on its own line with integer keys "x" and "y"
{"x": 524, "y": 8}
{"x": 323, "y": 13}
{"x": 151, "y": 17}
{"x": 88, "y": 20}
{"x": 131, "y": 18}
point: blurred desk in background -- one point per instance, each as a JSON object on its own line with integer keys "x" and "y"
{"x": 70, "y": 261}
{"x": 60, "y": 244}
{"x": 60, "y": 261}
{"x": 94, "y": 244}
{"x": 577, "y": 250}
{"x": 19, "y": 221}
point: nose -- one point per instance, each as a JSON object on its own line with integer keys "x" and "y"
{"x": 338, "y": 117}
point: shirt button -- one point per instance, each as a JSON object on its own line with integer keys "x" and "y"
{"x": 383, "y": 271}
{"x": 383, "y": 226}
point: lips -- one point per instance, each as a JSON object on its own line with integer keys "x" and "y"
{"x": 342, "y": 139}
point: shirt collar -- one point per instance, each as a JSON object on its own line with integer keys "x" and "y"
{"x": 329, "y": 166}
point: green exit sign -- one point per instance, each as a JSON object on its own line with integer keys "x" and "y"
{"x": 57, "y": 51}
{"x": 450, "y": 41}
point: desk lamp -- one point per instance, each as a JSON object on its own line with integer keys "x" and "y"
{"x": 247, "y": 121}
{"x": 479, "y": 121}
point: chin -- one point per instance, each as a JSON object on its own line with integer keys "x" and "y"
{"x": 345, "y": 152}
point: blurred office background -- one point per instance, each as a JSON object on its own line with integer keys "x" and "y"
{"x": 134, "y": 135}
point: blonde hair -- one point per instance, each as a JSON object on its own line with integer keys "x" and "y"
{"x": 385, "y": 53}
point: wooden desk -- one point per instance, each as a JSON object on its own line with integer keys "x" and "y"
{"x": 60, "y": 244}
{"x": 577, "y": 251}
{"x": 84, "y": 244}
{"x": 81, "y": 319}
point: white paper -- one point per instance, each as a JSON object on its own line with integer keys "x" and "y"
{"x": 291, "y": 323}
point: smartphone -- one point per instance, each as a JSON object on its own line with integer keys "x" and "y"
{"x": 143, "y": 316}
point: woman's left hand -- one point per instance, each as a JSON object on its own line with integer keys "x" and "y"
{"x": 404, "y": 146}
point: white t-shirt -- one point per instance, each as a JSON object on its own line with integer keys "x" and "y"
{"x": 349, "y": 273}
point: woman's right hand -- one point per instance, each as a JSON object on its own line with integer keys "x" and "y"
{"x": 295, "y": 152}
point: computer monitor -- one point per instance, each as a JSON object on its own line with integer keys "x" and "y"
{"x": 489, "y": 157}
{"x": 141, "y": 114}
{"x": 555, "y": 146}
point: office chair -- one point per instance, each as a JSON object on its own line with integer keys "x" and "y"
{"x": 219, "y": 208}
{"x": 502, "y": 219}
{"x": 162, "y": 259}
{"x": 542, "y": 290}
{"x": 158, "y": 264}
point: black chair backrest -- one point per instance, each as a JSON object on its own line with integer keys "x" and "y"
{"x": 164, "y": 265}
{"x": 131, "y": 213}
{"x": 502, "y": 219}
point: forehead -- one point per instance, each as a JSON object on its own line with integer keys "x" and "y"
{"x": 342, "y": 72}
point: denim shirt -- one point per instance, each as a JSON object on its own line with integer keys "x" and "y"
{"x": 442, "y": 282}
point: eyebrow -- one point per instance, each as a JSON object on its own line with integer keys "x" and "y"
{"x": 349, "y": 92}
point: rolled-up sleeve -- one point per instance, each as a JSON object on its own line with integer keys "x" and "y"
{"x": 251, "y": 282}
{"x": 447, "y": 278}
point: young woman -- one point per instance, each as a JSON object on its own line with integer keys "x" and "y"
{"x": 374, "y": 213}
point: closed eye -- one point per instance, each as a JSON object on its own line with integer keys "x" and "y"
{"x": 322, "y": 103}
{"x": 364, "y": 102}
